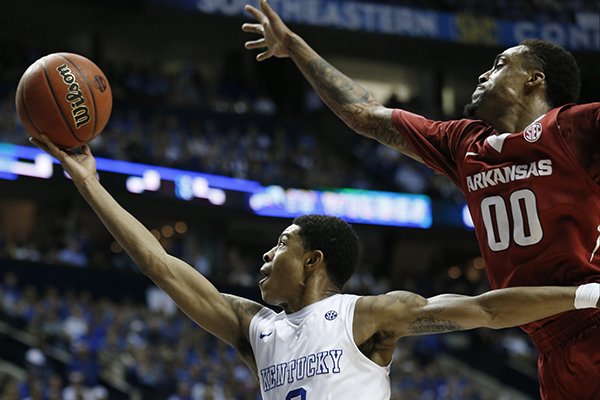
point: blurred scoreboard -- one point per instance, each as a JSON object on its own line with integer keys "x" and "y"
{"x": 209, "y": 190}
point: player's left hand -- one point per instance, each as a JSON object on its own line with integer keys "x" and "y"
{"x": 79, "y": 166}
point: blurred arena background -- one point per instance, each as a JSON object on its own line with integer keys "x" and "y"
{"x": 217, "y": 153}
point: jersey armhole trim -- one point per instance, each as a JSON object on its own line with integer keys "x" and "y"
{"x": 349, "y": 332}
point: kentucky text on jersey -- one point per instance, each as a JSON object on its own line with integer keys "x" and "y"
{"x": 507, "y": 174}
{"x": 324, "y": 362}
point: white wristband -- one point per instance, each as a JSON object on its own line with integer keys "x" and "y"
{"x": 586, "y": 296}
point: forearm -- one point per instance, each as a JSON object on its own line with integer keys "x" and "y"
{"x": 226, "y": 317}
{"x": 516, "y": 306}
{"x": 352, "y": 103}
{"x": 495, "y": 309}
{"x": 133, "y": 237}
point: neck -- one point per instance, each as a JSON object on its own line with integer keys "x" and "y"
{"x": 518, "y": 117}
{"x": 315, "y": 290}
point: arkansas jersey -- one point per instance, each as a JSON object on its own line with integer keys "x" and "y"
{"x": 534, "y": 195}
{"x": 311, "y": 354}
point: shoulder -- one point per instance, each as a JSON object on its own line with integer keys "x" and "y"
{"x": 589, "y": 111}
{"x": 385, "y": 315}
{"x": 578, "y": 121}
{"x": 244, "y": 307}
{"x": 586, "y": 107}
{"x": 442, "y": 134}
{"x": 379, "y": 309}
{"x": 401, "y": 117}
{"x": 245, "y": 310}
{"x": 390, "y": 299}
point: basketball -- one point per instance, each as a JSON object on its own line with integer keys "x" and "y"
{"x": 66, "y": 97}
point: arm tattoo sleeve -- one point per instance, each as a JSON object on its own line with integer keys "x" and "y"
{"x": 354, "y": 105}
{"x": 334, "y": 85}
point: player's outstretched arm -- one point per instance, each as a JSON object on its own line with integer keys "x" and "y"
{"x": 347, "y": 99}
{"x": 379, "y": 321}
{"x": 227, "y": 317}
{"x": 405, "y": 314}
{"x": 496, "y": 309}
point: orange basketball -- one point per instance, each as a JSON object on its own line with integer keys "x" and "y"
{"x": 66, "y": 97}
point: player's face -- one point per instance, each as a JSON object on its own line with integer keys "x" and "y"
{"x": 500, "y": 87}
{"x": 284, "y": 269}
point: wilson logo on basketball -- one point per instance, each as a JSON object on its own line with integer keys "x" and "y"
{"x": 533, "y": 132}
{"x": 80, "y": 111}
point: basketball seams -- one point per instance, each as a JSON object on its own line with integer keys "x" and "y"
{"x": 87, "y": 84}
{"x": 49, "y": 82}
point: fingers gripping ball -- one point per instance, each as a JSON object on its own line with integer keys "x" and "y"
{"x": 66, "y": 97}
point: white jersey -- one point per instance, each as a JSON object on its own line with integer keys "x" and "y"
{"x": 311, "y": 354}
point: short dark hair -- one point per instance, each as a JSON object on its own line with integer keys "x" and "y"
{"x": 561, "y": 70}
{"x": 336, "y": 239}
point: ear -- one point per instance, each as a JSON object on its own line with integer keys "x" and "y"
{"x": 315, "y": 258}
{"x": 536, "y": 79}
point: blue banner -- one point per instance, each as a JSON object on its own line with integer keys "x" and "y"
{"x": 404, "y": 21}
{"x": 359, "y": 206}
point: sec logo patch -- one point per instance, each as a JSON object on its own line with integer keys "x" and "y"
{"x": 533, "y": 132}
{"x": 331, "y": 315}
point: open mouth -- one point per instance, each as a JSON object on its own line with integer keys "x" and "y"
{"x": 266, "y": 274}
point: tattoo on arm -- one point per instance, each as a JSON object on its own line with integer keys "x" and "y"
{"x": 430, "y": 324}
{"x": 350, "y": 101}
{"x": 392, "y": 138}
{"x": 243, "y": 308}
{"x": 354, "y": 105}
{"x": 336, "y": 86}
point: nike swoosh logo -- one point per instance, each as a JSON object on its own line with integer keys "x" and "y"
{"x": 470, "y": 153}
{"x": 264, "y": 335}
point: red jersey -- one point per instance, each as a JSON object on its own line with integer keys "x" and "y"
{"x": 534, "y": 195}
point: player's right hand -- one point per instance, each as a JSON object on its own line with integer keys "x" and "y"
{"x": 79, "y": 166}
{"x": 275, "y": 34}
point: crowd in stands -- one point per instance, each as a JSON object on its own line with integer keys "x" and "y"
{"x": 231, "y": 128}
{"x": 155, "y": 348}
{"x": 236, "y": 127}
{"x": 249, "y": 123}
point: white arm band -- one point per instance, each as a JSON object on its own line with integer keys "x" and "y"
{"x": 586, "y": 296}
